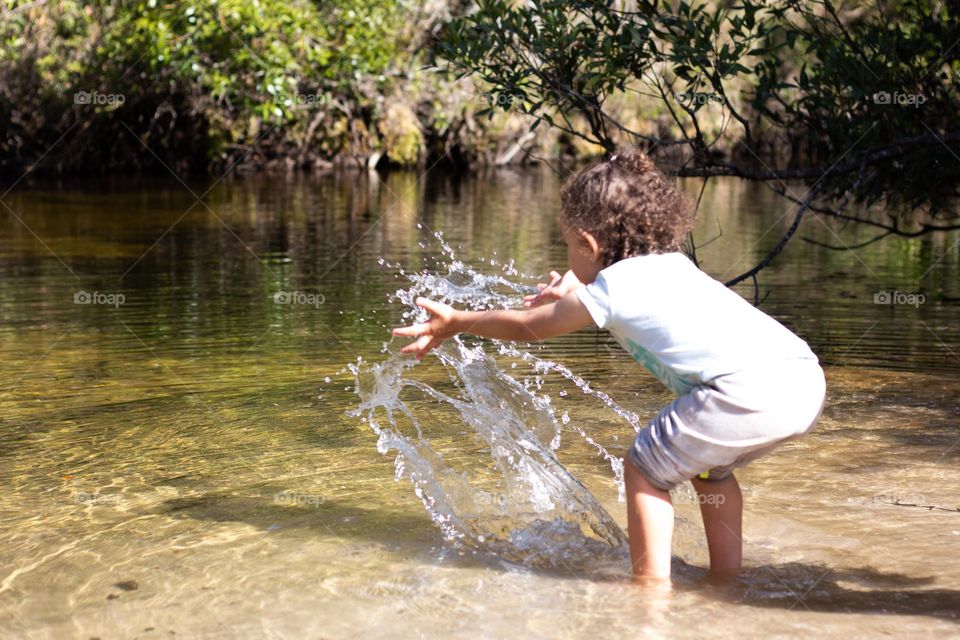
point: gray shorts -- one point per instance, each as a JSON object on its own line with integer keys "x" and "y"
{"x": 730, "y": 421}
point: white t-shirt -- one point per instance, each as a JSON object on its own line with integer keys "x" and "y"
{"x": 682, "y": 325}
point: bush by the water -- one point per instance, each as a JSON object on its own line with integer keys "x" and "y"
{"x": 201, "y": 83}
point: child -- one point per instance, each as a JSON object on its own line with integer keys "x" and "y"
{"x": 744, "y": 382}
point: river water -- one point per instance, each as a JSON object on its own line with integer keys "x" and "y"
{"x": 183, "y": 454}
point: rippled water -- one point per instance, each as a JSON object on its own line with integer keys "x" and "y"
{"x": 183, "y": 463}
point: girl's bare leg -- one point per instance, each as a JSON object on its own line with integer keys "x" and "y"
{"x": 721, "y": 505}
{"x": 650, "y": 524}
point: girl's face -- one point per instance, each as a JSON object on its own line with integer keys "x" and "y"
{"x": 583, "y": 253}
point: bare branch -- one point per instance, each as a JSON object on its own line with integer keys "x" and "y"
{"x": 778, "y": 247}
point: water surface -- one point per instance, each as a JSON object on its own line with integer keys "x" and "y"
{"x": 181, "y": 461}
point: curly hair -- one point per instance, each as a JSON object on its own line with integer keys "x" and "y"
{"x": 627, "y": 205}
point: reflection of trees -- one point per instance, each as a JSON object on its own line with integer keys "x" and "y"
{"x": 859, "y": 103}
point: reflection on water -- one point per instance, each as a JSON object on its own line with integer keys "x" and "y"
{"x": 183, "y": 461}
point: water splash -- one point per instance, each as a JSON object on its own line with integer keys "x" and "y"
{"x": 514, "y": 499}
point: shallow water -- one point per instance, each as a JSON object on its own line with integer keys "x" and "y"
{"x": 179, "y": 464}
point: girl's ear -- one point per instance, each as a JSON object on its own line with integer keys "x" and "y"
{"x": 589, "y": 243}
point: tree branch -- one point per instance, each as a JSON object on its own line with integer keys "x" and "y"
{"x": 777, "y": 248}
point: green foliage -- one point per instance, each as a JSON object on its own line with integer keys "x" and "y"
{"x": 237, "y": 70}
{"x": 812, "y": 73}
{"x": 402, "y": 138}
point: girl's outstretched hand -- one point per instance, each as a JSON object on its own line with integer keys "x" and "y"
{"x": 429, "y": 334}
{"x": 558, "y": 287}
{"x": 546, "y": 321}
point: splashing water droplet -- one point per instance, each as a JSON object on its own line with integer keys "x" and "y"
{"x": 515, "y": 500}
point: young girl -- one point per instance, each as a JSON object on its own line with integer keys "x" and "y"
{"x": 744, "y": 382}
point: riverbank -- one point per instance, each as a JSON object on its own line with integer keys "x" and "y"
{"x": 101, "y": 88}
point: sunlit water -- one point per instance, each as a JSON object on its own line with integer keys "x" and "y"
{"x": 197, "y": 459}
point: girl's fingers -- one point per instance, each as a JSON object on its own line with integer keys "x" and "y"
{"x": 555, "y": 279}
{"x": 435, "y": 308}
{"x": 430, "y": 346}
{"x": 532, "y": 298}
{"x": 418, "y": 345}
{"x": 412, "y": 331}
{"x": 425, "y": 340}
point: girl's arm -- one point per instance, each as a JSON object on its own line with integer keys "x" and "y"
{"x": 540, "y": 323}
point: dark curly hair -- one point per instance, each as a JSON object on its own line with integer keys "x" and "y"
{"x": 629, "y": 206}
